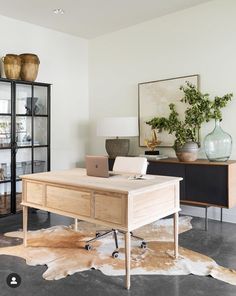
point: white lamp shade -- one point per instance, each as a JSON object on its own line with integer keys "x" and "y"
{"x": 118, "y": 127}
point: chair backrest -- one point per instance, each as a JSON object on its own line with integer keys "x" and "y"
{"x": 133, "y": 165}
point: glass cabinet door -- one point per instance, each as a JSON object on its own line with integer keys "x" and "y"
{"x": 40, "y": 131}
{"x": 24, "y": 137}
{"x": 5, "y": 114}
{"x": 5, "y": 198}
{"x": 5, "y": 98}
{"x": 40, "y": 121}
{"x": 5, "y": 131}
{"x": 23, "y": 134}
{"x": 23, "y": 99}
{"x": 23, "y": 162}
{"x": 18, "y": 196}
{"x": 40, "y": 160}
{"x": 40, "y": 100}
{"x": 5, "y": 148}
{"x": 5, "y": 181}
{"x": 5, "y": 165}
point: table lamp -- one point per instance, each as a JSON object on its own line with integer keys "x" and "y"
{"x": 118, "y": 127}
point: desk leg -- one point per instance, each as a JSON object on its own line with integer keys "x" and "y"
{"x": 25, "y": 223}
{"x": 76, "y": 225}
{"x": 176, "y": 234}
{"x": 127, "y": 259}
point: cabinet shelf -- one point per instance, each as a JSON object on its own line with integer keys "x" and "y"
{"x": 15, "y": 81}
{"x": 4, "y": 148}
{"x": 5, "y": 114}
{"x": 5, "y": 181}
{"x": 28, "y": 115}
{"x": 26, "y": 146}
{"x": 30, "y": 146}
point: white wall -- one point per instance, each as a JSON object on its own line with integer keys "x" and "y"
{"x": 200, "y": 40}
{"x": 64, "y": 63}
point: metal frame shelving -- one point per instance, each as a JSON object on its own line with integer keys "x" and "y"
{"x": 13, "y": 147}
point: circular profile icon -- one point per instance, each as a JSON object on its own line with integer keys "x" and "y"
{"x": 13, "y": 280}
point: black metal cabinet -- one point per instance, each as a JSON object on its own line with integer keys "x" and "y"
{"x": 24, "y": 137}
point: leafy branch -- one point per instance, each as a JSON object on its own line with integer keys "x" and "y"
{"x": 200, "y": 109}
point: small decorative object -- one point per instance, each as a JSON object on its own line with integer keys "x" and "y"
{"x": 1, "y": 174}
{"x": 218, "y": 144}
{"x": 27, "y": 138}
{"x": 118, "y": 127}
{"x": 31, "y": 103}
{"x": 200, "y": 109}
{"x": 12, "y": 66}
{"x": 4, "y": 170}
{"x": 30, "y": 66}
{"x": 153, "y": 142}
{"x": 5, "y": 129}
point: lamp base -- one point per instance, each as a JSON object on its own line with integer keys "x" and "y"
{"x": 117, "y": 147}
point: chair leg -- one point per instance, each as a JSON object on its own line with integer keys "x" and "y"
{"x": 137, "y": 237}
{"x": 115, "y": 237}
{"x": 100, "y": 236}
{"x": 115, "y": 234}
{"x": 76, "y": 225}
{"x": 133, "y": 236}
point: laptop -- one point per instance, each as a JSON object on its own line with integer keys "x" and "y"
{"x": 97, "y": 166}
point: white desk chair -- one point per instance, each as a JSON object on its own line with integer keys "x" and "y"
{"x": 131, "y": 165}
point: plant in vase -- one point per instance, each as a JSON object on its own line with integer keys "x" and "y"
{"x": 186, "y": 131}
{"x": 218, "y": 143}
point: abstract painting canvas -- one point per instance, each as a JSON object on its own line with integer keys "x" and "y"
{"x": 154, "y": 100}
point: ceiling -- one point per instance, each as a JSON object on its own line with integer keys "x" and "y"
{"x": 91, "y": 18}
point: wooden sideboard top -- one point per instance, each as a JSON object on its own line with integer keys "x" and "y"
{"x": 198, "y": 161}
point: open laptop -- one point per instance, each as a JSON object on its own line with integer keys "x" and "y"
{"x": 97, "y": 166}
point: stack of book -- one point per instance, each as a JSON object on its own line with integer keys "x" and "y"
{"x": 153, "y": 156}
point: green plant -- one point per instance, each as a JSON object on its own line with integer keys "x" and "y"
{"x": 200, "y": 109}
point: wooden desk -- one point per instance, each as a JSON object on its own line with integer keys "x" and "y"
{"x": 116, "y": 202}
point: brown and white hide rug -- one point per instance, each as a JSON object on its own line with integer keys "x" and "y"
{"x": 62, "y": 250}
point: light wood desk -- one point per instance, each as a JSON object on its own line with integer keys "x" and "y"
{"x": 116, "y": 202}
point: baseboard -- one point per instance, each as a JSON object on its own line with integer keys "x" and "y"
{"x": 229, "y": 215}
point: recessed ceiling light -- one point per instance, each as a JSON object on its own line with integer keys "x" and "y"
{"x": 58, "y": 11}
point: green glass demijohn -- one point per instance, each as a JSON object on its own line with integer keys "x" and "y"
{"x": 218, "y": 144}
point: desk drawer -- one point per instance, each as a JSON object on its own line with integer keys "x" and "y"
{"x": 34, "y": 193}
{"x": 73, "y": 201}
{"x": 109, "y": 208}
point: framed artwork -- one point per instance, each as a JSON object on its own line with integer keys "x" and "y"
{"x": 154, "y": 100}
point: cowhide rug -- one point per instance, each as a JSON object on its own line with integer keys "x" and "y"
{"x": 62, "y": 250}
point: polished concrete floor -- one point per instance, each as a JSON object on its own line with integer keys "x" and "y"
{"x": 219, "y": 243}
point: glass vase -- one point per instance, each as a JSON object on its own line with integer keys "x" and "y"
{"x": 218, "y": 144}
